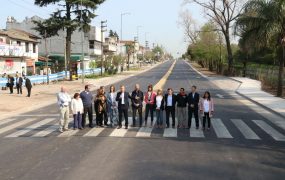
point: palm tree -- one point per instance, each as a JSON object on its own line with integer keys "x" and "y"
{"x": 264, "y": 21}
{"x": 130, "y": 47}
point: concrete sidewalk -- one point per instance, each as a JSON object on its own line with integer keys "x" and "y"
{"x": 252, "y": 90}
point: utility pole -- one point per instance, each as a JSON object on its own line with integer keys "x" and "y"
{"x": 82, "y": 46}
{"x": 121, "y": 38}
{"x": 46, "y": 56}
{"x": 138, "y": 33}
{"x": 103, "y": 26}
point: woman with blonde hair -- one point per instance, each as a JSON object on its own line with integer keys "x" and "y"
{"x": 159, "y": 108}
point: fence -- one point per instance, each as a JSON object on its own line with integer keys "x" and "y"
{"x": 40, "y": 79}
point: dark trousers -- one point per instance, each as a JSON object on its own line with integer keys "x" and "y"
{"x": 11, "y": 88}
{"x": 77, "y": 120}
{"x": 149, "y": 108}
{"x": 123, "y": 111}
{"x": 100, "y": 117}
{"x": 29, "y": 91}
{"x": 170, "y": 110}
{"x": 89, "y": 111}
{"x": 196, "y": 115}
{"x": 19, "y": 89}
{"x": 206, "y": 117}
{"x": 135, "y": 109}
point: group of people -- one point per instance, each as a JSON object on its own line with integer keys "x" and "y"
{"x": 112, "y": 107}
{"x": 18, "y": 82}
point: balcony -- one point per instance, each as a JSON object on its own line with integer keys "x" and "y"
{"x": 110, "y": 48}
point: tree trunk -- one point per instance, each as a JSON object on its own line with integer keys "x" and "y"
{"x": 128, "y": 61}
{"x": 230, "y": 52}
{"x": 68, "y": 42}
{"x": 280, "y": 74}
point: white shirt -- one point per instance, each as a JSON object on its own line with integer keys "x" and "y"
{"x": 63, "y": 99}
{"x": 123, "y": 98}
{"x": 193, "y": 95}
{"x": 169, "y": 100}
{"x": 113, "y": 98}
{"x": 158, "y": 101}
{"x": 206, "y": 106}
{"x": 77, "y": 106}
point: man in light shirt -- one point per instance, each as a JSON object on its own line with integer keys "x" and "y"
{"x": 123, "y": 106}
{"x": 63, "y": 100}
{"x": 170, "y": 103}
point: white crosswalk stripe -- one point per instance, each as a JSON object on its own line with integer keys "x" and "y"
{"x": 270, "y": 130}
{"x": 146, "y": 131}
{"x": 6, "y": 121}
{"x": 31, "y": 128}
{"x": 15, "y": 125}
{"x": 196, "y": 133}
{"x": 121, "y": 132}
{"x": 46, "y": 131}
{"x": 220, "y": 129}
{"x": 170, "y": 132}
{"x": 94, "y": 132}
{"x": 245, "y": 130}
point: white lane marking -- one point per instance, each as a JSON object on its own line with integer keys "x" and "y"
{"x": 46, "y": 131}
{"x": 196, "y": 133}
{"x": 146, "y": 131}
{"x": 170, "y": 132}
{"x": 15, "y": 125}
{"x": 122, "y": 132}
{"x": 270, "y": 130}
{"x": 6, "y": 121}
{"x": 30, "y": 128}
{"x": 93, "y": 132}
{"x": 220, "y": 129}
{"x": 245, "y": 130}
{"x": 69, "y": 133}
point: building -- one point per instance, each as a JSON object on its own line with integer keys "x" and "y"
{"x": 56, "y": 45}
{"x": 18, "y": 51}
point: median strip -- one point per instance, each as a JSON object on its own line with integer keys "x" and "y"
{"x": 163, "y": 80}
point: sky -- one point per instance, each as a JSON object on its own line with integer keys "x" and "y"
{"x": 157, "y": 19}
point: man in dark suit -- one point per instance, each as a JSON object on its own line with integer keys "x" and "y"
{"x": 10, "y": 83}
{"x": 123, "y": 106}
{"x": 137, "y": 104}
{"x": 19, "y": 83}
{"x": 193, "y": 102}
{"x": 170, "y": 102}
{"x": 28, "y": 85}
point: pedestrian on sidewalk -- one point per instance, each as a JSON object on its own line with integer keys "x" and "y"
{"x": 112, "y": 106}
{"x": 207, "y": 109}
{"x": 123, "y": 106}
{"x": 63, "y": 100}
{"x": 137, "y": 104}
{"x": 193, "y": 106}
{"x": 159, "y": 108}
{"x": 19, "y": 83}
{"x": 10, "y": 83}
{"x": 28, "y": 85}
{"x": 181, "y": 108}
{"x": 170, "y": 103}
{"x": 77, "y": 111}
{"x": 149, "y": 99}
{"x": 87, "y": 99}
{"x": 101, "y": 108}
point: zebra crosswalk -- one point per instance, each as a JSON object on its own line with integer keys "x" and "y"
{"x": 256, "y": 130}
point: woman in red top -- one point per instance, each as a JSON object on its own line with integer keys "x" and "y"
{"x": 149, "y": 99}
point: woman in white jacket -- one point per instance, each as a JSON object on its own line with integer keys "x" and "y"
{"x": 77, "y": 111}
{"x": 207, "y": 109}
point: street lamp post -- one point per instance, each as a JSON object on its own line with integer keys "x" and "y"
{"x": 121, "y": 47}
{"x": 82, "y": 46}
{"x": 138, "y": 33}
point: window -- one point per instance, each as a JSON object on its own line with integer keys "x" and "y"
{"x": 19, "y": 43}
{"x": 91, "y": 44}
{"x": 1, "y": 40}
{"x": 27, "y": 47}
{"x": 34, "y": 48}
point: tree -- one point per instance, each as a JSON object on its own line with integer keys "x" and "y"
{"x": 263, "y": 22}
{"x": 130, "y": 48}
{"x": 189, "y": 25}
{"x": 223, "y": 13}
{"x": 69, "y": 17}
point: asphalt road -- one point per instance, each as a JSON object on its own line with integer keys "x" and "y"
{"x": 223, "y": 153}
